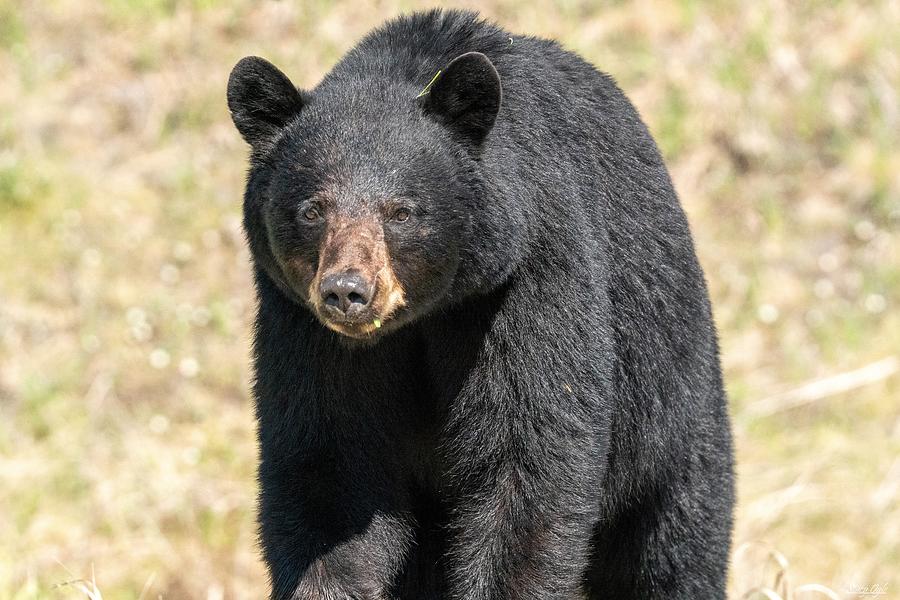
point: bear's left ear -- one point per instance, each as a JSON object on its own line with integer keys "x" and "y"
{"x": 465, "y": 96}
{"x": 261, "y": 99}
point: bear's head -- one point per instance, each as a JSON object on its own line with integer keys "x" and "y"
{"x": 361, "y": 193}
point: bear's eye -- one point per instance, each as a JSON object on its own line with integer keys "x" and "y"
{"x": 401, "y": 215}
{"x": 311, "y": 213}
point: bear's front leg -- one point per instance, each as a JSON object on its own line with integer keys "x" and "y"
{"x": 523, "y": 531}
{"x": 525, "y": 483}
{"x": 332, "y": 528}
{"x": 525, "y": 444}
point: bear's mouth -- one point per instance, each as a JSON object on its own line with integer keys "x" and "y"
{"x": 360, "y": 331}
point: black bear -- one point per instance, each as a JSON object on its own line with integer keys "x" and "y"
{"x": 485, "y": 362}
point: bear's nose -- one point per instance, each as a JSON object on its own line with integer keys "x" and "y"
{"x": 345, "y": 293}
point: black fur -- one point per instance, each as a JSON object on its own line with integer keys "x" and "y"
{"x": 545, "y": 417}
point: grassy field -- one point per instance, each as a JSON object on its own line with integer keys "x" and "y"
{"x": 126, "y": 434}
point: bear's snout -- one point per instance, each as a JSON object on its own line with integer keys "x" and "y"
{"x": 355, "y": 290}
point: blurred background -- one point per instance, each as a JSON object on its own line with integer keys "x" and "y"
{"x": 127, "y": 449}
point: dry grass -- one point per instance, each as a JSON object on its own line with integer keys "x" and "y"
{"x": 126, "y": 435}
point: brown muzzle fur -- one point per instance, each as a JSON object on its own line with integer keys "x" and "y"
{"x": 356, "y": 245}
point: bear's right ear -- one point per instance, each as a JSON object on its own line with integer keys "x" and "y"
{"x": 261, "y": 99}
